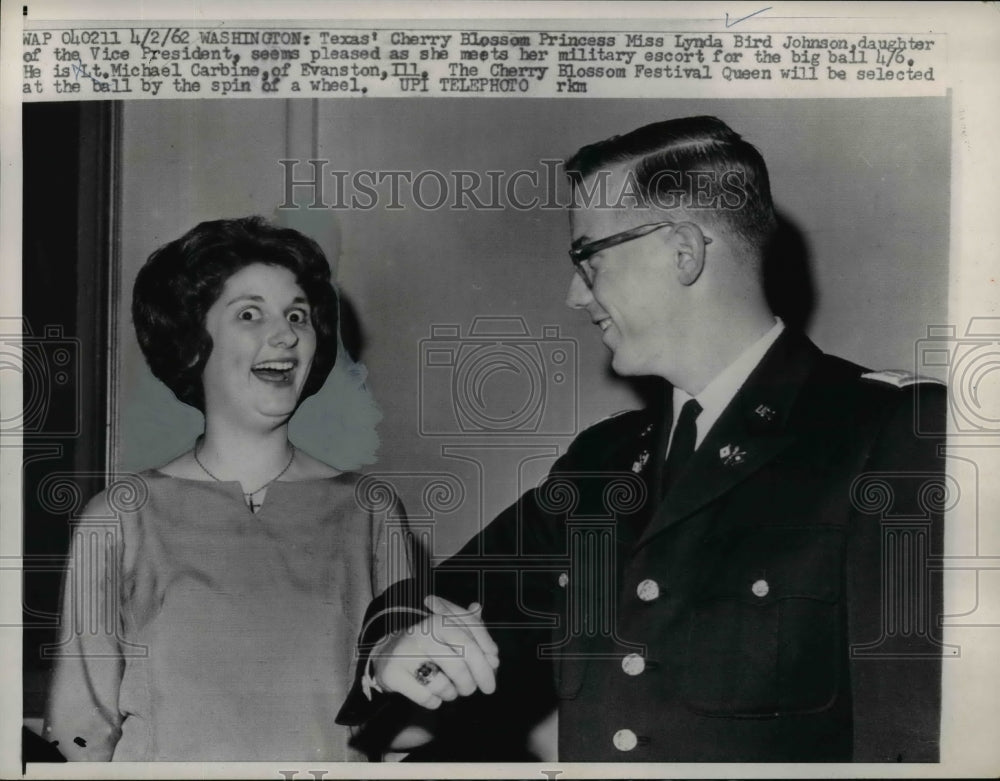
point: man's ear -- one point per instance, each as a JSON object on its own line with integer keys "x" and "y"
{"x": 689, "y": 245}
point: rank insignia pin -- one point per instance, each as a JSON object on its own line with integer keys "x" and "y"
{"x": 640, "y": 462}
{"x": 732, "y": 455}
{"x": 765, "y": 412}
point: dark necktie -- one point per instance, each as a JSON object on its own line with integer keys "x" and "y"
{"x": 682, "y": 444}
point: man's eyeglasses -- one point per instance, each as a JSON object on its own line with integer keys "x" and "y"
{"x": 584, "y": 252}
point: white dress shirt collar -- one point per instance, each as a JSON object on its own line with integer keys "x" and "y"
{"x": 715, "y": 397}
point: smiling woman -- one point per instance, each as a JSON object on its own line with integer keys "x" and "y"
{"x": 263, "y": 343}
{"x": 226, "y": 605}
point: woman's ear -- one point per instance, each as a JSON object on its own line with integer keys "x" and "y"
{"x": 689, "y": 245}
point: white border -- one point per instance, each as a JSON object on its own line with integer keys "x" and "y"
{"x": 973, "y": 31}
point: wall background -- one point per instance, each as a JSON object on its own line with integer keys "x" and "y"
{"x": 863, "y": 186}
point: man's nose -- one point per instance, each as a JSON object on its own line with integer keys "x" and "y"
{"x": 578, "y": 295}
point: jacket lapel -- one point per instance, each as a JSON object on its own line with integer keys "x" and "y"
{"x": 751, "y": 432}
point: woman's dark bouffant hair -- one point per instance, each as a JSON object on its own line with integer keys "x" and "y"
{"x": 181, "y": 280}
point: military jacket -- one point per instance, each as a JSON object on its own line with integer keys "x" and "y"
{"x": 779, "y": 603}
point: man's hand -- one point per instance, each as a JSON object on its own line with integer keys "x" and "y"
{"x": 448, "y": 654}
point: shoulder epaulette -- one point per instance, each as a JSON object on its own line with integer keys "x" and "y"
{"x": 607, "y": 418}
{"x": 899, "y": 378}
{"x": 614, "y": 415}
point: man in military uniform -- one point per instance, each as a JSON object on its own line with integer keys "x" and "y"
{"x": 723, "y": 576}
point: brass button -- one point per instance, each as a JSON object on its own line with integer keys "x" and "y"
{"x": 760, "y": 588}
{"x": 625, "y": 740}
{"x": 633, "y": 664}
{"x": 648, "y": 590}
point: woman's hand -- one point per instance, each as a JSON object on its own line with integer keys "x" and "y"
{"x": 447, "y": 655}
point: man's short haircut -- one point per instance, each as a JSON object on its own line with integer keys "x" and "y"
{"x": 696, "y": 164}
{"x": 181, "y": 281}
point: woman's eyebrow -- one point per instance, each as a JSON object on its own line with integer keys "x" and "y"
{"x": 244, "y": 297}
{"x": 256, "y": 298}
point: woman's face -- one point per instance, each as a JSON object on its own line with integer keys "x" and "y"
{"x": 263, "y": 345}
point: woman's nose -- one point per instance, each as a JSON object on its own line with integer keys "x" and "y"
{"x": 283, "y": 334}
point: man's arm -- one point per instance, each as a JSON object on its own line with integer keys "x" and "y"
{"x": 894, "y": 600}
{"x": 419, "y": 619}
{"x": 522, "y": 527}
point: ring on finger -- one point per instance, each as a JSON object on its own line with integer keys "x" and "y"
{"x": 425, "y": 672}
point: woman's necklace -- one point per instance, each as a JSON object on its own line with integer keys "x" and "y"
{"x": 247, "y": 495}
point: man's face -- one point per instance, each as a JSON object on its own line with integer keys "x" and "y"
{"x": 635, "y": 294}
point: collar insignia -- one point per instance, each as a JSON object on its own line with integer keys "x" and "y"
{"x": 765, "y": 412}
{"x": 732, "y": 455}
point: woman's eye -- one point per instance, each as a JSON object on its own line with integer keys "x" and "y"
{"x": 250, "y": 313}
{"x": 298, "y": 317}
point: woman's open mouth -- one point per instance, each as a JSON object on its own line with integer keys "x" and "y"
{"x": 279, "y": 372}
